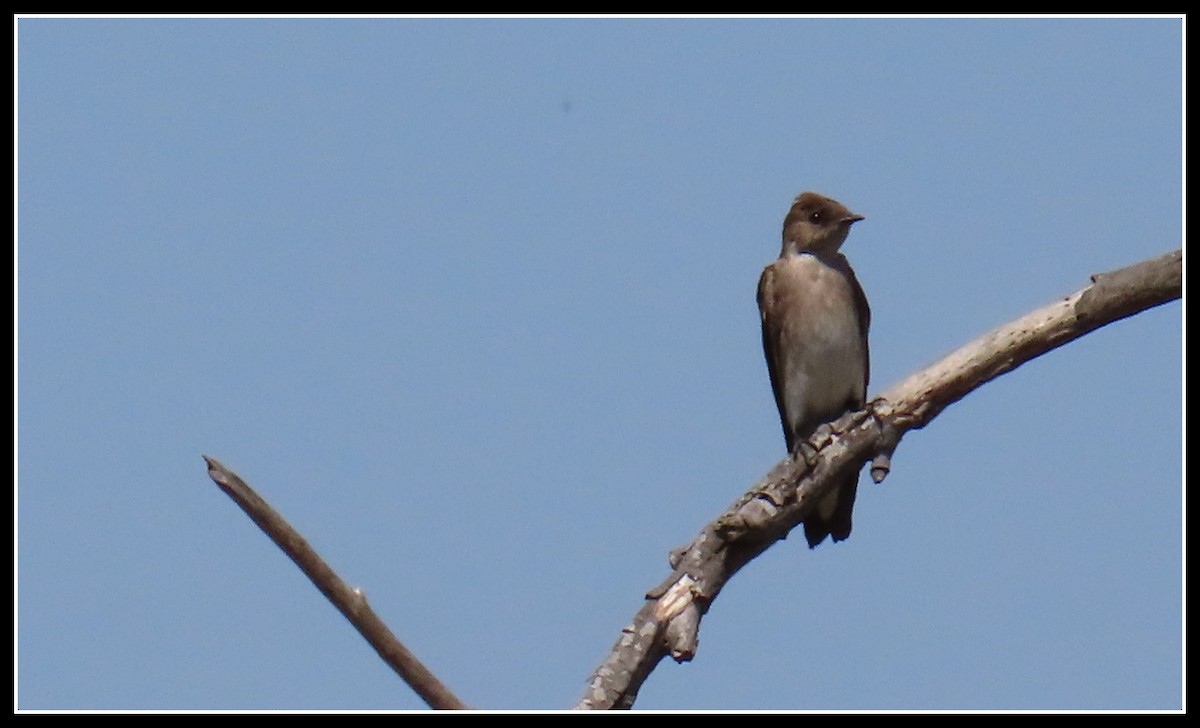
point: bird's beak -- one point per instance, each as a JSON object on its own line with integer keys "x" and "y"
{"x": 851, "y": 219}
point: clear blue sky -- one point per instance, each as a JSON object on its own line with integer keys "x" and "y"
{"x": 471, "y": 302}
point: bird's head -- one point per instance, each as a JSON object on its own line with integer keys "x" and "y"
{"x": 816, "y": 224}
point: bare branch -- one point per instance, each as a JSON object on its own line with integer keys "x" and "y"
{"x": 1111, "y": 297}
{"x": 669, "y": 622}
{"x": 350, "y": 602}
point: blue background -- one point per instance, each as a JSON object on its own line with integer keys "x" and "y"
{"x": 471, "y": 302}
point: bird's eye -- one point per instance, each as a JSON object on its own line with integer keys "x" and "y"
{"x": 815, "y": 216}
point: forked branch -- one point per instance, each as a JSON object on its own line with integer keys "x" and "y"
{"x": 669, "y": 622}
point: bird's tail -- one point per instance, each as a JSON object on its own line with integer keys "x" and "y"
{"x": 832, "y": 516}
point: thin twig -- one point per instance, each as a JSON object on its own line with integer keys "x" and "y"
{"x": 350, "y": 602}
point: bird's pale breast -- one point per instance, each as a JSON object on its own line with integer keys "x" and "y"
{"x": 820, "y": 338}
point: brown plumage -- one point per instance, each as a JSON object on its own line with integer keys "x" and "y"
{"x": 814, "y": 324}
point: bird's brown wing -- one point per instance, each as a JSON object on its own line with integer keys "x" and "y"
{"x": 771, "y": 337}
{"x": 864, "y": 320}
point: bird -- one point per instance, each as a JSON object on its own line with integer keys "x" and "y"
{"x": 815, "y": 318}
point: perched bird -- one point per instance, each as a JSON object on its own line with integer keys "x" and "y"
{"x": 814, "y": 326}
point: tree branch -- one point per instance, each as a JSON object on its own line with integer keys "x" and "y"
{"x": 350, "y": 602}
{"x": 669, "y": 621}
